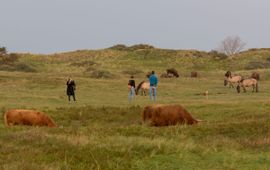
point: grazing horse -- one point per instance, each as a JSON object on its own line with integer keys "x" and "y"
{"x": 247, "y": 83}
{"x": 232, "y": 80}
{"x": 144, "y": 86}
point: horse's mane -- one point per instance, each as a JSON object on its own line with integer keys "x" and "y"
{"x": 140, "y": 85}
{"x": 228, "y": 74}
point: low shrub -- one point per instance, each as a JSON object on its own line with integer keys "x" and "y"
{"x": 217, "y": 55}
{"x": 9, "y": 58}
{"x": 21, "y": 67}
{"x": 119, "y": 47}
{"x": 100, "y": 74}
{"x": 141, "y": 47}
{"x": 257, "y": 65}
{"x": 132, "y": 48}
{"x": 83, "y": 64}
{"x": 132, "y": 71}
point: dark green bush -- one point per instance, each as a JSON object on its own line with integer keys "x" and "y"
{"x": 268, "y": 58}
{"x": 217, "y": 55}
{"x": 119, "y": 47}
{"x": 83, "y": 64}
{"x": 257, "y": 65}
{"x": 141, "y": 47}
{"x": 132, "y": 71}
{"x": 100, "y": 74}
{"x": 8, "y": 58}
{"x": 132, "y": 48}
{"x": 22, "y": 67}
{"x": 197, "y": 54}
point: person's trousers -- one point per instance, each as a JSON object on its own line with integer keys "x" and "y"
{"x": 153, "y": 93}
{"x": 131, "y": 94}
{"x": 72, "y": 96}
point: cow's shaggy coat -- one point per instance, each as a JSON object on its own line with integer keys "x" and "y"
{"x": 165, "y": 115}
{"x": 193, "y": 74}
{"x": 27, "y": 117}
{"x": 172, "y": 71}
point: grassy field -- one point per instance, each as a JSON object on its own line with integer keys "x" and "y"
{"x": 102, "y": 129}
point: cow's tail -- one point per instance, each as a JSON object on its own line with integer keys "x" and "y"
{"x": 5, "y": 119}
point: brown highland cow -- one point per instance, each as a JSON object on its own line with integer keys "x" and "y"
{"x": 165, "y": 115}
{"x": 172, "y": 72}
{"x": 194, "y": 74}
{"x": 27, "y": 117}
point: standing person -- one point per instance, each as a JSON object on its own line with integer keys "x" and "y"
{"x": 131, "y": 86}
{"x": 153, "y": 86}
{"x": 71, "y": 89}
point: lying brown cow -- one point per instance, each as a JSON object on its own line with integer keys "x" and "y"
{"x": 27, "y": 117}
{"x": 165, "y": 115}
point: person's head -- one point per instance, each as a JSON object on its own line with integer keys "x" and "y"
{"x": 132, "y": 77}
{"x": 153, "y": 72}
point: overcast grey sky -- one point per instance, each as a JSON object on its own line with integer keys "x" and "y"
{"x": 48, "y": 26}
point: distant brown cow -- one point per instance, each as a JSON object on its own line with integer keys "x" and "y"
{"x": 27, "y": 117}
{"x": 165, "y": 115}
{"x": 173, "y": 72}
{"x": 194, "y": 74}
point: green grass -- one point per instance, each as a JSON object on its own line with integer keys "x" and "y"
{"x": 103, "y": 131}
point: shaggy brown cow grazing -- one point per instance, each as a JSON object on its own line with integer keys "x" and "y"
{"x": 194, "y": 74}
{"x": 27, "y": 117}
{"x": 172, "y": 71}
{"x": 165, "y": 115}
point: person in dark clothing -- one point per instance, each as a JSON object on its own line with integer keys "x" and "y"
{"x": 71, "y": 89}
{"x": 131, "y": 87}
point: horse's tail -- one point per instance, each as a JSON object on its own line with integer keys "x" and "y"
{"x": 138, "y": 87}
{"x": 257, "y": 88}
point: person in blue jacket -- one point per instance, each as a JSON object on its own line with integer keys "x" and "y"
{"x": 153, "y": 86}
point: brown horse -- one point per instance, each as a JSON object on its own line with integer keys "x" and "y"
{"x": 232, "y": 80}
{"x": 144, "y": 87}
{"x": 247, "y": 83}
